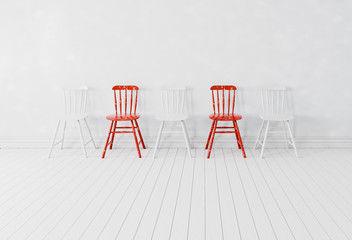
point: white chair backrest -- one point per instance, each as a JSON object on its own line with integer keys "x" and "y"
{"x": 173, "y": 99}
{"x": 273, "y": 99}
{"x": 75, "y": 100}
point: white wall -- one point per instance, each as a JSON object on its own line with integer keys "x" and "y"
{"x": 303, "y": 44}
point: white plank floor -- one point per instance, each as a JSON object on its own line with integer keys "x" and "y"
{"x": 175, "y": 197}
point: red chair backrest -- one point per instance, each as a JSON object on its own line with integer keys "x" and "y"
{"x": 125, "y": 99}
{"x": 223, "y": 97}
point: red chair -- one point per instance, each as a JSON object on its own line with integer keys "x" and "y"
{"x": 125, "y": 110}
{"x": 224, "y": 105}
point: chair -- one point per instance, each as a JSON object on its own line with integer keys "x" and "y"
{"x": 273, "y": 110}
{"x": 125, "y": 110}
{"x": 173, "y": 99}
{"x": 75, "y": 111}
{"x": 223, "y": 98}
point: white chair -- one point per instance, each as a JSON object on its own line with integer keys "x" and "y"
{"x": 273, "y": 110}
{"x": 173, "y": 100}
{"x": 75, "y": 111}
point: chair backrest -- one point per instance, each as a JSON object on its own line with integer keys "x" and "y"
{"x": 75, "y": 100}
{"x": 173, "y": 99}
{"x": 223, "y": 97}
{"x": 125, "y": 99}
{"x": 273, "y": 99}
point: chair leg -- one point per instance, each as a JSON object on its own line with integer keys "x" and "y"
{"x": 259, "y": 134}
{"x": 186, "y": 138}
{"x": 140, "y": 135}
{"x": 212, "y": 138}
{"x": 82, "y": 140}
{"x": 236, "y": 134}
{"x": 90, "y": 134}
{"x": 264, "y": 141}
{"x": 158, "y": 138}
{"x": 240, "y": 139}
{"x": 107, "y": 140}
{"x": 54, "y": 138}
{"x": 210, "y": 133}
{"x": 113, "y": 134}
{"x": 286, "y": 139}
{"x": 189, "y": 141}
{"x": 293, "y": 141}
{"x": 63, "y": 136}
{"x": 135, "y": 139}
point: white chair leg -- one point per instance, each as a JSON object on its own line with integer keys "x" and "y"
{"x": 90, "y": 134}
{"x": 189, "y": 141}
{"x": 260, "y": 133}
{"x": 63, "y": 136}
{"x": 158, "y": 138}
{"x": 264, "y": 141}
{"x": 286, "y": 139}
{"x": 53, "y": 141}
{"x": 82, "y": 140}
{"x": 293, "y": 141}
{"x": 186, "y": 137}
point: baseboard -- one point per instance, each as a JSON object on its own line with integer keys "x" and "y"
{"x": 178, "y": 142}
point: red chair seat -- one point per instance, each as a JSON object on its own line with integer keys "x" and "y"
{"x": 225, "y": 117}
{"x": 124, "y": 117}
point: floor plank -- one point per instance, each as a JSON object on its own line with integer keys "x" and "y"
{"x": 197, "y": 220}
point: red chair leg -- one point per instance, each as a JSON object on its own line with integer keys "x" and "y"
{"x": 140, "y": 135}
{"x": 238, "y": 144}
{"x": 107, "y": 140}
{"x": 211, "y": 131}
{"x": 212, "y": 138}
{"x": 113, "y": 134}
{"x": 239, "y": 138}
{"x": 135, "y": 139}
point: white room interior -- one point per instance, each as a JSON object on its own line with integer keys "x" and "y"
{"x": 303, "y": 45}
{"x": 50, "y": 44}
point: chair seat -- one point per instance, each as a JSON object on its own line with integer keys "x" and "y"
{"x": 225, "y": 117}
{"x": 171, "y": 117}
{"x": 72, "y": 117}
{"x": 281, "y": 117}
{"x": 127, "y": 117}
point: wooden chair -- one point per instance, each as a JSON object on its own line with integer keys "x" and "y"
{"x": 273, "y": 110}
{"x": 125, "y": 110}
{"x": 173, "y": 99}
{"x": 75, "y": 110}
{"x": 223, "y": 98}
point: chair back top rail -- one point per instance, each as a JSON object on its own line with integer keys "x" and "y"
{"x": 75, "y": 100}
{"x": 125, "y": 99}
{"x": 273, "y": 99}
{"x": 173, "y": 99}
{"x": 223, "y": 99}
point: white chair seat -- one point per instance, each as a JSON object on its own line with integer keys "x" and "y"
{"x": 171, "y": 117}
{"x": 281, "y": 117}
{"x": 72, "y": 117}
